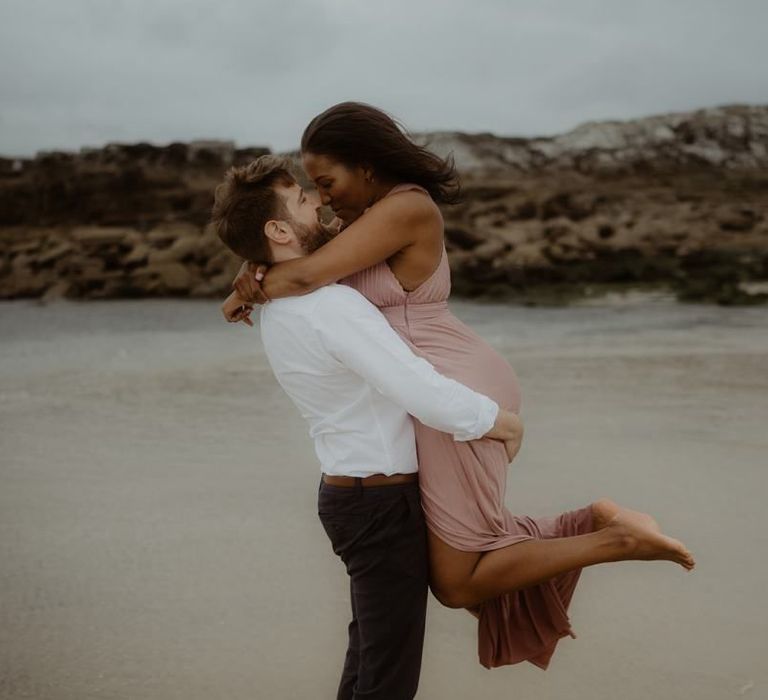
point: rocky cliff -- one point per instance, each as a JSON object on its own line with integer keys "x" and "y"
{"x": 678, "y": 200}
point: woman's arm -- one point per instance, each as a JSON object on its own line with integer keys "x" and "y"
{"x": 235, "y": 309}
{"x": 392, "y": 224}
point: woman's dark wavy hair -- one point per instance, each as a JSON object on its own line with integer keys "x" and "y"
{"x": 357, "y": 134}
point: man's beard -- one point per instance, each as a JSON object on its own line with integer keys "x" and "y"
{"x": 313, "y": 237}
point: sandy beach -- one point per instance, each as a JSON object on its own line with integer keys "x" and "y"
{"x": 158, "y": 529}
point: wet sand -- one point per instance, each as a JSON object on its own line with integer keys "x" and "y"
{"x": 158, "y": 529}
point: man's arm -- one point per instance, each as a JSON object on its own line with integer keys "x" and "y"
{"x": 358, "y": 335}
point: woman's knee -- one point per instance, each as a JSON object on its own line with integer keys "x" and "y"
{"x": 452, "y": 596}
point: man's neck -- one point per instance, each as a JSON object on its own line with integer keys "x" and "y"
{"x": 283, "y": 255}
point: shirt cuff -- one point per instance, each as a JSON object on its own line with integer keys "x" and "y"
{"x": 486, "y": 417}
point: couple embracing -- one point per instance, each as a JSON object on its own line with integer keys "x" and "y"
{"x": 414, "y": 417}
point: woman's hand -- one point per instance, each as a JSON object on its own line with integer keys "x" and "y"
{"x": 235, "y": 309}
{"x": 247, "y": 283}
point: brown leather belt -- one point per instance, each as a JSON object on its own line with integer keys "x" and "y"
{"x": 373, "y": 480}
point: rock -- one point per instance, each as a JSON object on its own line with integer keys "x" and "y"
{"x": 98, "y": 235}
{"x": 738, "y": 220}
{"x": 223, "y": 260}
{"x": 462, "y": 239}
{"x": 561, "y": 253}
{"x": 754, "y": 289}
{"x": 54, "y": 253}
{"x": 161, "y": 237}
{"x": 174, "y": 277}
{"x": 26, "y": 246}
{"x": 217, "y": 286}
{"x": 490, "y": 250}
{"x": 173, "y": 229}
{"x": 23, "y": 284}
{"x": 516, "y": 233}
{"x": 556, "y": 230}
{"x": 179, "y": 250}
{"x": 86, "y": 270}
{"x": 529, "y": 255}
{"x": 732, "y": 137}
{"x": 678, "y": 199}
{"x": 139, "y": 254}
{"x": 525, "y": 211}
{"x": 58, "y": 291}
{"x": 22, "y": 262}
{"x": 571, "y": 206}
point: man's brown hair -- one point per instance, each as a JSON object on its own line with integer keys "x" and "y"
{"x": 246, "y": 200}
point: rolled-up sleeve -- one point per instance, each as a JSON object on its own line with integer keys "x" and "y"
{"x": 358, "y": 336}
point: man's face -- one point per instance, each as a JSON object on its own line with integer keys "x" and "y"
{"x": 304, "y": 212}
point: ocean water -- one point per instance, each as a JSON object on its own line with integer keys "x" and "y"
{"x": 158, "y": 531}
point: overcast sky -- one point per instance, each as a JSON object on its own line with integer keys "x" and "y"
{"x": 86, "y": 72}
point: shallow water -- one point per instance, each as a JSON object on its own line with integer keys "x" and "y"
{"x": 159, "y": 539}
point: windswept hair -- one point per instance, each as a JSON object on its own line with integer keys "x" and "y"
{"x": 246, "y": 200}
{"x": 357, "y": 134}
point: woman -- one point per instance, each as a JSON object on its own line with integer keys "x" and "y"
{"x": 517, "y": 574}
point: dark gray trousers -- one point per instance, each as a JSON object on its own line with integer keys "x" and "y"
{"x": 380, "y": 535}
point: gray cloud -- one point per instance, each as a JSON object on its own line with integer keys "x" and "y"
{"x": 84, "y": 72}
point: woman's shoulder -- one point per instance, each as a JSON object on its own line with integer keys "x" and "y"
{"x": 413, "y": 200}
{"x": 408, "y": 187}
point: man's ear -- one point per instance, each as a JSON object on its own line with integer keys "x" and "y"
{"x": 277, "y": 231}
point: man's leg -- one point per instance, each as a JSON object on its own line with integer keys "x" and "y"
{"x": 380, "y": 535}
{"x": 391, "y": 604}
{"x": 352, "y": 659}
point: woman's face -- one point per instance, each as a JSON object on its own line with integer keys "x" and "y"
{"x": 340, "y": 187}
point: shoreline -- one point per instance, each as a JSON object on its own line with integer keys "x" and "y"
{"x": 746, "y": 294}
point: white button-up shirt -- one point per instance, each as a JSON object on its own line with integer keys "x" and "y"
{"x": 355, "y": 381}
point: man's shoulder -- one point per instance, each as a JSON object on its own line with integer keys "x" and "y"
{"x": 330, "y": 300}
{"x": 300, "y": 305}
{"x": 339, "y": 291}
{"x": 331, "y": 297}
{"x": 342, "y": 303}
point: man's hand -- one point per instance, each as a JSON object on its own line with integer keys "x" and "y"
{"x": 235, "y": 309}
{"x": 247, "y": 283}
{"x": 512, "y": 447}
{"x": 509, "y": 429}
{"x": 507, "y": 426}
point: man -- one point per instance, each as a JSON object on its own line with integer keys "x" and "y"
{"x": 355, "y": 381}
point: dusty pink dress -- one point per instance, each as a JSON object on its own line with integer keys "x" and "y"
{"x": 463, "y": 483}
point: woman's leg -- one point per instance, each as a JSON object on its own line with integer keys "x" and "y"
{"x": 466, "y": 579}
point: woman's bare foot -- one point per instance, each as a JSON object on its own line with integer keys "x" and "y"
{"x": 642, "y": 539}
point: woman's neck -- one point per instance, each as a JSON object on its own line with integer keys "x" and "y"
{"x": 380, "y": 190}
